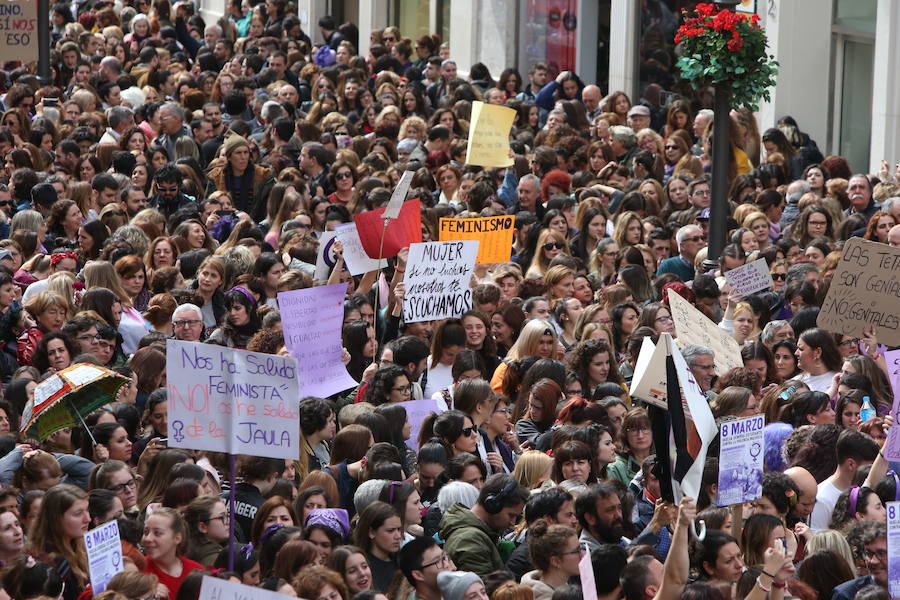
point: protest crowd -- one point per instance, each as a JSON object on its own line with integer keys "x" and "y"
{"x": 175, "y": 177}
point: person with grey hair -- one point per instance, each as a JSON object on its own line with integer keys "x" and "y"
{"x": 132, "y": 97}
{"x": 775, "y": 331}
{"x": 367, "y": 493}
{"x": 211, "y": 35}
{"x": 187, "y": 322}
{"x": 690, "y": 242}
{"x": 795, "y": 191}
{"x": 623, "y": 142}
{"x": 171, "y": 126}
{"x": 701, "y": 361}
{"x": 799, "y": 272}
{"x": 119, "y": 120}
{"x": 110, "y": 69}
{"x": 892, "y": 206}
{"x": 528, "y": 192}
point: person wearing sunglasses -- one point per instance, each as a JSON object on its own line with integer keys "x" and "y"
{"x": 452, "y": 429}
{"x": 690, "y": 242}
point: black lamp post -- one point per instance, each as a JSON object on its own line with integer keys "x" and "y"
{"x": 43, "y": 31}
{"x": 719, "y": 210}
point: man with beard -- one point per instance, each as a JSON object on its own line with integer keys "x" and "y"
{"x": 599, "y": 513}
{"x": 872, "y": 536}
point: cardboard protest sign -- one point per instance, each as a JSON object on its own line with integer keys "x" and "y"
{"x": 437, "y": 280}
{"x": 489, "y": 135}
{"x": 494, "y": 235}
{"x": 355, "y": 257}
{"x": 864, "y": 291}
{"x": 741, "y": 460}
{"x": 649, "y": 380}
{"x": 18, "y": 30}
{"x": 750, "y": 278}
{"x": 693, "y": 327}
{"x": 406, "y": 229}
{"x": 214, "y": 588}
{"x": 104, "y": 551}
{"x": 235, "y": 401}
{"x": 398, "y": 197}
{"x": 893, "y": 548}
{"x": 312, "y": 319}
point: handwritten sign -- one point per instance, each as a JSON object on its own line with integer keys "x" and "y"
{"x": 693, "y": 327}
{"x": 864, "y": 291}
{"x": 494, "y": 235}
{"x": 489, "y": 135}
{"x": 740, "y": 460}
{"x": 750, "y": 278}
{"x": 312, "y": 320}
{"x": 214, "y": 588}
{"x": 18, "y": 31}
{"x": 437, "y": 280}
{"x": 355, "y": 257}
{"x": 416, "y": 412}
{"x": 104, "y": 550}
{"x": 234, "y": 401}
{"x": 398, "y": 197}
{"x": 586, "y": 572}
{"x": 893, "y": 547}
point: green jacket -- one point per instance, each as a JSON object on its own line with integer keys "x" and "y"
{"x": 624, "y": 469}
{"x": 469, "y": 542}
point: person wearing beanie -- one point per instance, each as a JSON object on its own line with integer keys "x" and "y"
{"x": 249, "y": 184}
{"x": 461, "y": 585}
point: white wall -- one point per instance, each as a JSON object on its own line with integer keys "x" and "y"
{"x": 483, "y": 31}
{"x": 885, "y": 143}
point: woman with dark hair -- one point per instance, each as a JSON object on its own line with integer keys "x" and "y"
{"x": 478, "y": 338}
{"x": 758, "y": 358}
{"x": 573, "y": 460}
{"x": 809, "y": 408}
{"x": 242, "y": 321}
{"x": 379, "y": 533}
{"x": 55, "y": 351}
{"x": 92, "y": 235}
{"x": 624, "y": 320}
{"x": 269, "y": 267}
{"x": 543, "y": 398}
{"x": 64, "y": 221}
{"x": 358, "y": 338}
{"x": 399, "y": 429}
{"x": 506, "y": 324}
{"x": 818, "y": 358}
{"x": 593, "y": 362}
{"x": 785, "y": 359}
{"x": 636, "y": 443}
{"x": 448, "y": 340}
{"x": 857, "y": 504}
{"x": 823, "y": 571}
{"x": 317, "y": 429}
{"x": 389, "y": 384}
{"x": 453, "y": 429}
{"x": 718, "y": 558}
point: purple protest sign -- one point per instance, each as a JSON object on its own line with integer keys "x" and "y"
{"x": 893, "y": 545}
{"x": 740, "y": 460}
{"x": 892, "y": 359}
{"x": 312, "y": 319}
{"x": 416, "y": 412}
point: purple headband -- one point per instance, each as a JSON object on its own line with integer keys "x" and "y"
{"x": 896, "y": 484}
{"x": 245, "y": 292}
{"x": 336, "y": 519}
{"x": 854, "y": 496}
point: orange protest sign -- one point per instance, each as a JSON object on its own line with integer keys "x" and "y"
{"x": 494, "y": 235}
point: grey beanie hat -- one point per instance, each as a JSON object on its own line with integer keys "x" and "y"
{"x": 453, "y": 584}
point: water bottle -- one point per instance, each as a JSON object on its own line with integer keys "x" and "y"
{"x": 867, "y": 412}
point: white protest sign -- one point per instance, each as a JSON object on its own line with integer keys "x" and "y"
{"x": 750, "y": 278}
{"x": 438, "y": 277}
{"x": 586, "y": 573}
{"x": 398, "y": 197}
{"x": 312, "y": 319}
{"x": 741, "y": 460}
{"x": 355, "y": 257}
{"x": 893, "y": 548}
{"x": 214, "y": 588}
{"x": 693, "y": 327}
{"x": 325, "y": 258}
{"x": 234, "y": 401}
{"x": 104, "y": 550}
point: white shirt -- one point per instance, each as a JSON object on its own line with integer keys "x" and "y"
{"x": 826, "y": 498}
{"x": 818, "y": 383}
{"x": 439, "y": 377}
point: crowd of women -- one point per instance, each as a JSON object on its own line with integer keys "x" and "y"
{"x": 174, "y": 176}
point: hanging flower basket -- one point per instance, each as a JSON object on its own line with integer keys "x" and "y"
{"x": 724, "y": 48}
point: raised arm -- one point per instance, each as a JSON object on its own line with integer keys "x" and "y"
{"x": 677, "y": 565}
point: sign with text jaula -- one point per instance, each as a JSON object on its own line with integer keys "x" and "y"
{"x": 18, "y": 30}
{"x": 104, "y": 550}
{"x": 234, "y": 401}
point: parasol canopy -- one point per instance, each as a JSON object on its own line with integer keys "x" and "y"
{"x": 66, "y": 397}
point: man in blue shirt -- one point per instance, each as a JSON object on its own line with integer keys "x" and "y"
{"x": 873, "y": 539}
{"x": 690, "y": 242}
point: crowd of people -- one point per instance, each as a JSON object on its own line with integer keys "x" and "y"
{"x": 173, "y": 176}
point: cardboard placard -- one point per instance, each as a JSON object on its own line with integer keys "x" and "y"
{"x": 693, "y": 327}
{"x": 355, "y": 257}
{"x": 741, "y": 460}
{"x": 18, "y": 32}
{"x": 416, "y": 411}
{"x": 325, "y": 257}
{"x": 586, "y": 573}
{"x": 234, "y": 401}
{"x": 864, "y": 291}
{"x": 104, "y": 550}
{"x": 489, "y": 135}
{"x": 494, "y": 235}
{"x": 214, "y": 588}
{"x": 437, "y": 280}
{"x": 389, "y": 239}
{"x": 750, "y": 278}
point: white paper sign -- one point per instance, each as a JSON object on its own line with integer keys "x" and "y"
{"x": 214, "y": 588}
{"x": 750, "y": 278}
{"x": 693, "y": 327}
{"x": 355, "y": 257}
{"x": 438, "y": 276}
{"x": 649, "y": 381}
{"x": 234, "y": 401}
{"x": 325, "y": 258}
{"x": 741, "y": 460}
{"x": 398, "y": 197}
{"x": 893, "y": 546}
{"x": 586, "y": 572}
{"x": 104, "y": 550}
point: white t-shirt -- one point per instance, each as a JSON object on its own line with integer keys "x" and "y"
{"x": 818, "y": 383}
{"x": 439, "y": 377}
{"x": 826, "y": 498}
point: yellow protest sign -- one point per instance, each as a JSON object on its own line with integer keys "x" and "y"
{"x": 693, "y": 327}
{"x": 495, "y": 235}
{"x": 489, "y": 135}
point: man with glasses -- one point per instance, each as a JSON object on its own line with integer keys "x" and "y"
{"x": 84, "y": 332}
{"x": 702, "y": 363}
{"x": 421, "y": 559}
{"x": 690, "y": 242}
{"x": 187, "y": 323}
{"x": 873, "y": 541}
{"x": 168, "y": 198}
{"x": 700, "y": 192}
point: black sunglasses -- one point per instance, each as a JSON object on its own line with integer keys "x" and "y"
{"x": 779, "y": 276}
{"x": 552, "y": 245}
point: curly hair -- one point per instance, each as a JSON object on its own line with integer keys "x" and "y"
{"x": 781, "y": 491}
{"x": 310, "y": 581}
{"x": 379, "y": 390}
{"x": 579, "y": 362}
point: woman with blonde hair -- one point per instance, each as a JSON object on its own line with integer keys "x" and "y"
{"x": 60, "y": 283}
{"x": 533, "y": 469}
{"x": 550, "y": 244}
{"x": 49, "y": 313}
{"x": 629, "y": 229}
{"x": 560, "y": 282}
{"x": 759, "y": 224}
{"x": 829, "y": 539}
{"x": 537, "y": 338}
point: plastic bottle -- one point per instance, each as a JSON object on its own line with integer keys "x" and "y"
{"x": 867, "y": 411}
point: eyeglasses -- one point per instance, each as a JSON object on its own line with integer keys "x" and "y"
{"x": 186, "y": 323}
{"x": 638, "y": 429}
{"x": 879, "y": 554}
{"x": 468, "y": 431}
{"x": 672, "y": 147}
{"x": 403, "y": 389}
{"x": 223, "y": 517}
{"x": 443, "y": 561}
{"x": 88, "y": 338}
{"x": 779, "y": 276}
{"x": 553, "y": 245}
{"x": 850, "y": 342}
{"x": 506, "y": 410}
{"x": 388, "y": 39}
{"x": 581, "y": 549}
{"x": 701, "y": 193}
{"x": 695, "y": 238}
{"x": 663, "y": 319}
{"x": 120, "y": 487}
{"x": 344, "y": 175}
{"x": 817, "y": 223}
